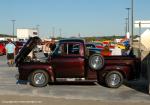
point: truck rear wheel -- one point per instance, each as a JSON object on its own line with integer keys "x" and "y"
{"x": 114, "y": 79}
{"x": 39, "y": 78}
{"x": 96, "y": 62}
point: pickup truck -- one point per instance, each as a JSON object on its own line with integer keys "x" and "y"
{"x": 71, "y": 61}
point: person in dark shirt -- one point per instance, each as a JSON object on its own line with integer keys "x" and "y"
{"x": 52, "y": 45}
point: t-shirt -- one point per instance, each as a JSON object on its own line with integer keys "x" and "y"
{"x": 52, "y": 46}
{"x": 10, "y": 47}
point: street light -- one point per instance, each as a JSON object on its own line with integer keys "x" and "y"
{"x": 13, "y": 32}
{"x": 128, "y": 28}
{"x": 37, "y": 28}
{"x": 132, "y": 2}
{"x": 126, "y": 25}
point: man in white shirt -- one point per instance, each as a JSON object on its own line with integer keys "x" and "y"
{"x": 10, "y": 52}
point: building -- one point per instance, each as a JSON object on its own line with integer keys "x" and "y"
{"x": 26, "y": 33}
{"x": 4, "y": 37}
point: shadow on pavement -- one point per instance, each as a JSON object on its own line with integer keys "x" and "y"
{"x": 138, "y": 85}
{"x": 73, "y": 83}
{"x": 22, "y": 82}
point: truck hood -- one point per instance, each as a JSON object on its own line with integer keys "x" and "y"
{"x": 26, "y": 49}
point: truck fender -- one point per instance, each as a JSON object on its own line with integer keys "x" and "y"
{"x": 124, "y": 70}
{"x": 51, "y": 74}
{"x": 46, "y": 69}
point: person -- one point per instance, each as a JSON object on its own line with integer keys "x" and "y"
{"x": 46, "y": 49}
{"x": 106, "y": 51}
{"x": 52, "y": 45}
{"x": 10, "y": 52}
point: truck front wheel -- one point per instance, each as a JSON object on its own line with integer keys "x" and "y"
{"x": 96, "y": 62}
{"x": 39, "y": 78}
{"x": 114, "y": 79}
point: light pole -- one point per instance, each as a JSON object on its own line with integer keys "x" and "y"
{"x": 128, "y": 28}
{"x": 13, "y": 31}
{"x": 132, "y": 2}
{"x": 126, "y": 25}
{"x": 37, "y": 28}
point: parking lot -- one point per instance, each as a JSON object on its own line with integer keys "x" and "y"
{"x": 134, "y": 91}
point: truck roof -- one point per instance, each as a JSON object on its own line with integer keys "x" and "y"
{"x": 72, "y": 40}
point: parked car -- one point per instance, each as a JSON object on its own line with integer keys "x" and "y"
{"x": 90, "y": 45}
{"x": 121, "y": 46}
{"x": 2, "y": 48}
{"x": 94, "y": 51}
{"x": 99, "y": 45}
{"x": 68, "y": 64}
{"x": 92, "y": 48}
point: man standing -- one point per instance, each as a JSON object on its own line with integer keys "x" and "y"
{"x": 10, "y": 52}
{"x": 52, "y": 45}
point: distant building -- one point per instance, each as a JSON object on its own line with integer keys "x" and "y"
{"x": 5, "y": 37}
{"x": 24, "y": 34}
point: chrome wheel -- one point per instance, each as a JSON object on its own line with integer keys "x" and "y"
{"x": 96, "y": 62}
{"x": 114, "y": 79}
{"x": 39, "y": 78}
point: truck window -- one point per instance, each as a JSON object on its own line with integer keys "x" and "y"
{"x": 69, "y": 49}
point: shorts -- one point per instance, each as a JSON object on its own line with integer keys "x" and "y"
{"x": 10, "y": 56}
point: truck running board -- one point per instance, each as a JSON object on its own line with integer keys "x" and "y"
{"x": 74, "y": 80}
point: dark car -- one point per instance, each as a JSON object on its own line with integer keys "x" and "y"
{"x": 99, "y": 45}
{"x": 90, "y": 45}
{"x": 92, "y": 48}
{"x": 72, "y": 62}
{"x": 94, "y": 51}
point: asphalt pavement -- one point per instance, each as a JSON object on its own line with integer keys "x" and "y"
{"x": 134, "y": 91}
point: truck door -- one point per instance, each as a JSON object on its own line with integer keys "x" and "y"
{"x": 70, "y": 61}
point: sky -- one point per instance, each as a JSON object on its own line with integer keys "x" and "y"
{"x": 87, "y": 17}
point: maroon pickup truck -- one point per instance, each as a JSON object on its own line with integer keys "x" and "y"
{"x": 71, "y": 61}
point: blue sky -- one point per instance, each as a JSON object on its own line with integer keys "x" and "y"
{"x": 87, "y": 17}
